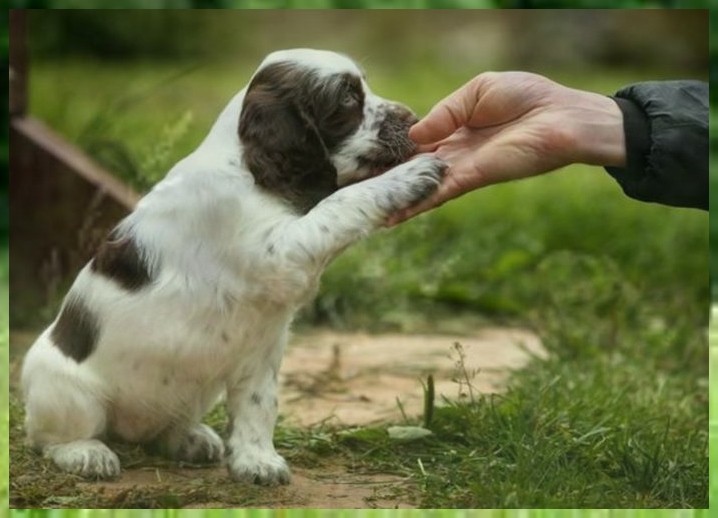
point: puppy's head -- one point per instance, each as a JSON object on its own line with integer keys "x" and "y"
{"x": 310, "y": 124}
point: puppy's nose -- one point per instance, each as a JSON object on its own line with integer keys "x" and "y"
{"x": 398, "y": 120}
{"x": 404, "y": 114}
{"x": 394, "y": 132}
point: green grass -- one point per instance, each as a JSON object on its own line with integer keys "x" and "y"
{"x": 618, "y": 290}
{"x": 492, "y": 251}
{"x": 36, "y": 484}
{"x": 713, "y": 431}
{"x": 4, "y": 411}
{"x": 556, "y": 439}
{"x": 359, "y": 513}
{"x": 621, "y": 426}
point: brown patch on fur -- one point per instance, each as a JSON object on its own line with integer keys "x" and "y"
{"x": 76, "y": 331}
{"x": 120, "y": 259}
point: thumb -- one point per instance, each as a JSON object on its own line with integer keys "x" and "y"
{"x": 446, "y": 116}
{"x": 437, "y": 125}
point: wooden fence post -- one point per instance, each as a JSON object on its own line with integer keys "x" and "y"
{"x": 62, "y": 203}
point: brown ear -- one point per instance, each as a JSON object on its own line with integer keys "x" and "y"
{"x": 269, "y": 122}
{"x": 281, "y": 146}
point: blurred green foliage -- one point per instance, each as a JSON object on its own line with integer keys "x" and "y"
{"x": 353, "y": 4}
{"x": 601, "y": 4}
{"x": 527, "y": 39}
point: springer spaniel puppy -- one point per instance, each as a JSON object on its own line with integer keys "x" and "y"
{"x": 191, "y": 296}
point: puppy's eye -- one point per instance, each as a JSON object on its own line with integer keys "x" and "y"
{"x": 349, "y": 100}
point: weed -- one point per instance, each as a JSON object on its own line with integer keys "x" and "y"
{"x": 429, "y": 401}
{"x": 159, "y": 156}
{"x": 464, "y": 376}
{"x": 4, "y": 348}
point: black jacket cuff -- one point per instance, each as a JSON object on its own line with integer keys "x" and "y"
{"x": 665, "y": 126}
{"x": 637, "y": 132}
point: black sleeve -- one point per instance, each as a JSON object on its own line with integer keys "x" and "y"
{"x": 666, "y": 128}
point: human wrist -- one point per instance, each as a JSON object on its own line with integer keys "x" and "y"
{"x": 599, "y": 132}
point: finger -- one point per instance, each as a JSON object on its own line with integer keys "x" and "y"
{"x": 446, "y": 116}
{"x": 440, "y": 122}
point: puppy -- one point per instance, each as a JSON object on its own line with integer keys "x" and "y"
{"x": 191, "y": 296}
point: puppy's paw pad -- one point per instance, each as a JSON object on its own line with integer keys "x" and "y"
{"x": 418, "y": 178}
{"x": 88, "y": 458}
{"x": 264, "y": 470}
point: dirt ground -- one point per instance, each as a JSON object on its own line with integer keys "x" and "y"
{"x": 356, "y": 379}
{"x": 329, "y": 488}
{"x": 340, "y": 379}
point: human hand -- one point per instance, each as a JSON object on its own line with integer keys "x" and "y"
{"x": 503, "y": 126}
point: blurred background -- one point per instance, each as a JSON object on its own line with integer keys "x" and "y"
{"x": 366, "y": 4}
{"x": 137, "y": 90}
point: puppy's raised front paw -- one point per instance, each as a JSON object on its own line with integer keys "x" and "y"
{"x": 417, "y": 180}
{"x": 427, "y": 164}
{"x": 88, "y": 458}
{"x": 259, "y": 467}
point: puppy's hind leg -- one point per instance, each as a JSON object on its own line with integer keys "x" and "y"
{"x": 196, "y": 444}
{"x": 64, "y": 419}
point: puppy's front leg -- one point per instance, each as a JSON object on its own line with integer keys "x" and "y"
{"x": 252, "y": 408}
{"x": 354, "y": 211}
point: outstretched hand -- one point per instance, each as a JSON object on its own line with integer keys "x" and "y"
{"x": 509, "y": 125}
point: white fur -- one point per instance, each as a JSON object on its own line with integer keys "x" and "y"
{"x": 232, "y": 265}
